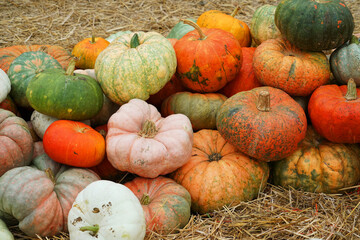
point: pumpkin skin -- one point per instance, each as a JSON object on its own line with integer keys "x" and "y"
{"x": 200, "y": 108}
{"x": 8, "y": 54}
{"x": 319, "y": 166}
{"x": 268, "y": 127}
{"x": 140, "y": 141}
{"x": 74, "y": 143}
{"x": 314, "y": 25}
{"x": 126, "y": 71}
{"x": 87, "y": 50}
{"x": 278, "y": 63}
{"x": 166, "y": 204}
{"x": 180, "y": 29}
{"x": 23, "y": 69}
{"x": 5, "y": 85}
{"x": 16, "y": 143}
{"x": 207, "y": 59}
{"x": 335, "y": 116}
{"x": 228, "y": 23}
{"x": 40, "y": 196}
{"x": 115, "y": 35}
{"x": 218, "y": 175}
{"x": 245, "y": 80}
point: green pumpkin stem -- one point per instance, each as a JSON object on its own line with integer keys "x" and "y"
{"x": 354, "y": 39}
{"x": 145, "y": 199}
{"x": 263, "y": 103}
{"x": 93, "y": 229}
{"x": 148, "y": 130}
{"x": 134, "y": 42}
{"x": 93, "y": 39}
{"x": 236, "y": 10}
{"x": 71, "y": 67}
{"x": 194, "y": 25}
{"x": 351, "y": 93}
{"x": 50, "y": 174}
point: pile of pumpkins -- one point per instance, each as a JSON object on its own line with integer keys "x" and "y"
{"x": 202, "y": 118}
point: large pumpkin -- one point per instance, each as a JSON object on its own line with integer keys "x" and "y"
{"x": 40, "y": 196}
{"x": 278, "y": 63}
{"x": 314, "y": 25}
{"x": 135, "y": 65}
{"x": 166, "y": 204}
{"x": 218, "y": 175}
{"x": 140, "y": 141}
{"x": 319, "y": 166}
{"x": 264, "y": 123}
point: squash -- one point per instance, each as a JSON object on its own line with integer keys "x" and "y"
{"x": 180, "y": 29}
{"x": 106, "y": 210}
{"x": 140, "y": 141}
{"x": 5, "y": 85}
{"x": 5, "y": 233}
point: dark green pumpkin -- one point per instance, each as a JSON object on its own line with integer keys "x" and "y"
{"x": 23, "y": 69}
{"x": 180, "y": 29}
{"x": 314, "y": 25}
{"x": 65, "y": 95}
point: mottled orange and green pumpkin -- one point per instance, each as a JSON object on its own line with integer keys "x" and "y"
{"x": 264, "y": 123}
{"x": 319, "y": 166}
{"x": 218, "y": 175}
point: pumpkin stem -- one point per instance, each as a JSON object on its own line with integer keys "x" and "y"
{"x": 263, "y": 103}
{"x": 71, "y": 67}
{"x": 215, "y": 157}
{"x": 50, "y": 174}
{"x": 148, "y": 130}
{"x": 145, "y": 199}
{"x": 134, "y": 42}
{"x": 92, "y": 39}
{"x": 194, "y": 25}
{"x": 354, "y": 39}
{"x": 236, "y": 10}
{"x": 351, "y": 93}
{"x": 93, "y": 229}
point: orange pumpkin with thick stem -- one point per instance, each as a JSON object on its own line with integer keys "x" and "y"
{"x": 74, "y": 143}
{"x": 207, "y": 58}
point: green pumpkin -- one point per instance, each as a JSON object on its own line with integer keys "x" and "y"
{"x": 65, "y": 95}
{"x": 135, "y": 65}
{"x": 180, "y": 29}
{"x": 314, "y": 25}
{"x": 23, "y": 69}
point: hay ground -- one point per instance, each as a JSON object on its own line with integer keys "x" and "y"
{"x": 277, "y": 213}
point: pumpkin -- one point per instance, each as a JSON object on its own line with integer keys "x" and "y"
{"x": 264, "y": 123}
{"x": 9, "y": 54}
{"x": 74, "y": 143}
{"x": 140, "y": 141}
{"x": 218, "y": 175}
{"x": 5, "y": 233}
{"x": 319, "y": 166}
{"x": 180, "y": 29}
{"x": 207, "y": 58}
{"x": 314, "y": 25}
{"x": 263, "y": 25}
{"x": 38, "y": 149}
{"x": 34, "y": 136}
{"x": 8, "y": 104}
{"x": 278, "y": 63}
{"x": 166, "y": 204}
{"x": 23, "y": 69}
{"x": 40, "y": 196}
{"x": 116, "y": 35}
{"x": 65, "y": 95}
{"x": 87, "y": 50}
{"x": 106, "y": 210}
{"x": 16, "y": 143}
{"x": 245, "y": 79}
{"x": 334, "y": 112}
{"x": 220, "y": 20}
{"x": 200, "y": 108}
{"x": 345, "y": 62}
{"x": 135, "y": 65}
{"x": 5, "y": 85}
{"x": 89, "y": 72}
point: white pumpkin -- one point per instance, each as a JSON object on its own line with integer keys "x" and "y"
{"x": 106, "y": 210}
{"x": 5, "y": 85}
{"x": 89, "y": 72}
{"x": 5, "y": 233}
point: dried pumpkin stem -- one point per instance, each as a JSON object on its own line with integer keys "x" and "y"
{"x": 215, "y": 157}
{"x": 134, "y": 42}
{"x": 148, "y": 130}
{"x": 71, "y": 67}
{"x": 50, "y": 174}
{"x": 145, "y": 199}
{"x": 93, "y": 229}
{"x": 263, "y": 103}
{"x": 351, "y": 93}
{"x": 194, "y": 25}
{"x": 236, "y": 10}
{"x": 354, "y": 39}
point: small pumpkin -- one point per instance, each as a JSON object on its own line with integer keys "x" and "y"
{"x": 180, "y": 29}
{"x": 5, "y": 85}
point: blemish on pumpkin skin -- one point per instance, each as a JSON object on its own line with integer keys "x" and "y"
{"x": 76, "y": 220}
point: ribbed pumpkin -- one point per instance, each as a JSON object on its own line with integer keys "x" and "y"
{"x": 245, "y": 80}
{"x": 278, "y": 63}
{"x": 319, "y": 166}
{"x": 314, "y": 25}
{"x": 218, "y": 175}
{"x": 180, "y": 29}
{"x": 207, "y": 58}
{"x": 335, "y": 112}
{"x": 220, "y": 20}
{"x": 264, "y": 123}
{"x": 135, "y": 65}
{"x": 8, "y": 54}
{"x": 23, "y": 69}
{"x": 166, "y": 204}
{"x": 65, "y": 95}
{"x": 200, "y": 108}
